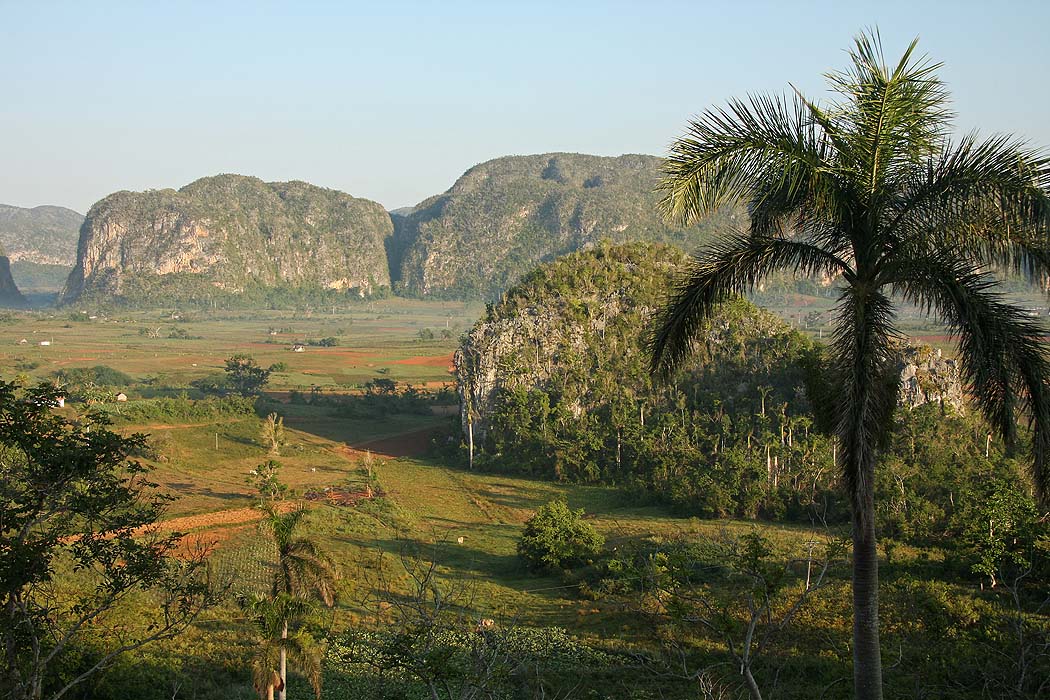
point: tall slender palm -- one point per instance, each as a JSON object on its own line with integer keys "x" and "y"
{"x": 303, "y": 569}
{"x": 870, "y": 186}
{"x": 273, "y": 617}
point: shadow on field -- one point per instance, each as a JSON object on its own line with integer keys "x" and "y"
{"x": 185, "y": 487}
{"x": 462, "y": 559}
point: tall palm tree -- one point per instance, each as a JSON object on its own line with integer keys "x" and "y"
{"x": 871, "y": 187}
{"x": 273, "y": 617}
{"x": 303, "y": 569}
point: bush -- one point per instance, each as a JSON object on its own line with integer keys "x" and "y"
{"x": 557, "y": 538}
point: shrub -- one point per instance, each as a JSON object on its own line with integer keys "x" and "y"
{"x": 557, "y": 538}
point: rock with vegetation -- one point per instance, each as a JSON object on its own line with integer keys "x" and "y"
{"x": 554, "y": 382}
{"x": 45, "y": 235}
{"x": 41, "y": 243}
{"x": 9, "y": 295}
{"x": 927, "y": 377}
{"x": 503, "y": 217}
{"x": 581, "y": 320}
{"x": 232, "y": 234}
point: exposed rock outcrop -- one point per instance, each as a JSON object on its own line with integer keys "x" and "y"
{"x": 230, "y": 232}
{"x": 927, "y": 377}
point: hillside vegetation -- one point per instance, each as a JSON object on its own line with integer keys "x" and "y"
{"x": 44, "y": 235}
{"x": 504, "y": 216}
{"x": 556, "y": 379}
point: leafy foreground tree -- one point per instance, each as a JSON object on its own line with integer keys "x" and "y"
{"x": 872, "y": 188}
{"x": 77, "y": 543}
{"x": 303, "y": 569}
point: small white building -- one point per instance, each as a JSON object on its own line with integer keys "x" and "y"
{"x": 45, "y": 343}
{"x": 122, "y": 397}
{"x": 298, "y": 348}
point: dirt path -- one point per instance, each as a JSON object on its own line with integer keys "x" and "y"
{"x": 236, "y": 516}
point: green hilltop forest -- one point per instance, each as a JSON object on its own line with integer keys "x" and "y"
{"x": 556, "y": 382}
{"x": 504, "y": 216}
{"x": 228, "y": 235}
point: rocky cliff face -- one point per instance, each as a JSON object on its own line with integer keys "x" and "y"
{"x": 231, "y": 232}
{"x": 926, "y": 377}
{"x": 44, "y": 235}
{"x": 505, "y": 216}
{"x": 10, "y": 297}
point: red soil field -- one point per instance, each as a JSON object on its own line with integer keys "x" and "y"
{"x": 424, "y": 361}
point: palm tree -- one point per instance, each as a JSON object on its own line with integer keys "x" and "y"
{"x": 302, "y": 569}
{"x": 872, "y": 188}
{"x": 273, "y": 617}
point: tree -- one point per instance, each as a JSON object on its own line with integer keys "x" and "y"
{"x": 71, "y": 500}
{"x": 245, "y": 375}
{"x": 272, "y": 433}
{"x": 302, "y": 569}
{"x": 556, "y": 537}
{"x": 281, "y": 626}
{"x": 267, "y": 482}
{"x": 872, "y": 188}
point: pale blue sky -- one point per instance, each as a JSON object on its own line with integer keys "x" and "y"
{"x": 393, "y": 100}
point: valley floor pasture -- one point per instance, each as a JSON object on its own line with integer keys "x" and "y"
{"x": 388, "y": 497}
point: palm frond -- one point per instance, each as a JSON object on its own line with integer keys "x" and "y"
{"x": 891, "y": 116}
{"x": 743, "y": 153}
{"x": 1005, "y": 359}
{"x": 729, "y": 267}
{"x": 986, "y": 198}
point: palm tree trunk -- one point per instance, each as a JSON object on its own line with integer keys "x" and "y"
{"x": 284, "y": 663}
{"x": 867, "y": 655}
{"x": 868, "y": 400}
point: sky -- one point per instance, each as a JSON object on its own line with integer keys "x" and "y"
{"x": 392, "y": 101}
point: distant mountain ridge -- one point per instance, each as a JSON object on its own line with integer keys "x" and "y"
{"x": 231, "y": 233}
{"x": 46, "y": 235}
{"x": 503, "y": 217}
